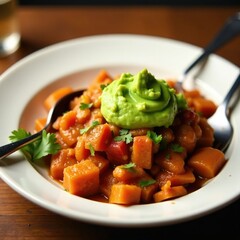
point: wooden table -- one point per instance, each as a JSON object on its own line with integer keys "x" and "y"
{"x": 40, "y": 27}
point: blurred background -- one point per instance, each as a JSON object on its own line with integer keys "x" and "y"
{"x": 132, "y": 2}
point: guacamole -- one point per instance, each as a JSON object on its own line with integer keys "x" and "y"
{"x": 140, "y": 101}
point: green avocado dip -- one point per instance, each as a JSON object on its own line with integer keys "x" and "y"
{"x": 140, "y": 101}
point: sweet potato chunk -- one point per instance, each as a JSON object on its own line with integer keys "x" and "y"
{"x": 207, "y": 137}
{"x": 204, "y": 106}
{"x": 67, "y": 120}
{"x": 40, "y": 124}
{"x": 64, "y": 158}
{"x": 80, "y": 151}
{"x": 82, "y": 179}
{"x": 51, "y": 100}
{"x": 171, "y": 161}
{"x": 182, "y": 179}
{"x": 99, "y": 137}
{"x": 207, "y": 162}
{"x": 70, "y": 136}
{"x": 127, "y": 175}
{"x": 142, "y": 151}
{"x": 147, "y": 193}
{"x": 125, "y": 194}
{"x": 106, "y": 181}
{"x": 101, "y": 162}
{"x": 168, "y": 192}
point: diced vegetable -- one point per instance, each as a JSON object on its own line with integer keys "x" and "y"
{"x": 98, "y": 137}
{"x": 82, "y": 179}
{"x": 61, "y": 160}
{"x": 125, "y": 194}
{"x": 142, "y": 151}
{"x": 51, "y": 100}
{"x": 168, "y": 192}
{"x": 128, "y": 173}
{"x": 70, "y": 136}
{"x": 39, "y": 124}
{"x": 81, "y": 152}
{"x": 204, "y": 106}
{"x": 148, "y": 190}
{"x": 182, "y": 179}
{"x": 106, "y": 182}
{"x": 118, "y": 152}
{"x": 207, "y": 162}
{"x": 101, "y": 162}
{"x": 67, "y": 120}
{"x": 171, "y": 161}
{"x": 207, "y": 138}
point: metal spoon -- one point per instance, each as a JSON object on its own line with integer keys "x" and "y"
{"x": 220, "y": 120}
{"x": 230, "y": 29}
{"x": 60, "y": 107}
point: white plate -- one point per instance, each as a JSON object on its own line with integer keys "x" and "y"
{"x": 32, "y": 78}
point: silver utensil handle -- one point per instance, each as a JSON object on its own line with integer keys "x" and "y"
{"x": 14, "y": 146}
{"x": 230, "y": 29}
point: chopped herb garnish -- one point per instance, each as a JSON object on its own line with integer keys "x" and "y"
{"x": 123, "y": 131}
{"x": 154, "y": 137}
{"x": 168, "y": 156}
{"x": 84, "y": 130}
{"x": 41, "y": 147}
{"x": 124, "y": 135}
{"x": 85, "y": 106}
{"x": 145, "y": 183}
{"x": 102, "y": 86}
{"x": 177, "y": 148}
{"x": 92, "y": 151}
{"x": 129, "y": 166}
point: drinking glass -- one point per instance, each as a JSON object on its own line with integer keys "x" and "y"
{"x": 9, "y": 27}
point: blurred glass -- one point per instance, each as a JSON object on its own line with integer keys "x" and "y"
{"x": 9, "y": 28}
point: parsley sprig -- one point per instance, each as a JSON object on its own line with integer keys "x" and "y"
{"x": 44, "y": 145}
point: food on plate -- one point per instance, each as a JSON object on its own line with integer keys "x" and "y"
{"x": 133, "y": 140}
{"x": 138, "y": 101}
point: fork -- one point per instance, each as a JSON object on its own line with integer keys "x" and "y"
{"x": 220, "y": 120}
{"x": 230, "y": 29}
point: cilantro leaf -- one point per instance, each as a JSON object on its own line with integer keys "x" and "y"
{"x": 46, "y": 145}
{"x": 123, "y": 132}
{"x": 154, "y": 137}
{"x": 168, "y": 156}
{"x": 177, "y": 148}
{"x": 92, "y": 150}
{"x": 21, "y": 134}
{"x": 145, "y": 183}
{"x": 124, "y": 135}
{"x": 41, "y": 147}
{"x": 84, "y": 130}
{"x": 102, "y": 86}
{"x": 129, "y": 166}
{"x": 85, "y": 106}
